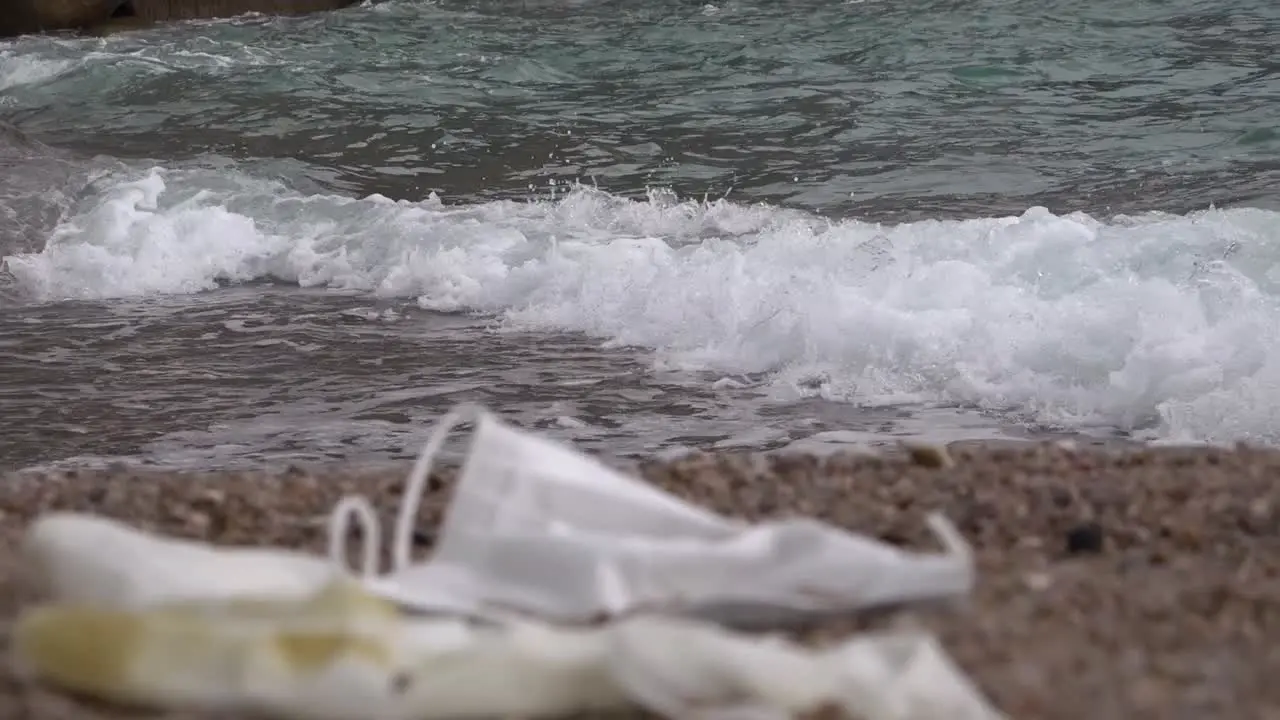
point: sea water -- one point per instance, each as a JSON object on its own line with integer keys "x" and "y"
{"x": 643, "y": 226}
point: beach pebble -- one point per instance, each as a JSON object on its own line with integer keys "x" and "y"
{"x": 1174, "y": 558}
{"x": 1084, "y": 539}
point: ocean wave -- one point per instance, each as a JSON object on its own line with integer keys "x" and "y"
{"x": 36, "y": 60}
{"x": 18, "y": 69}
{"x": 1164, "y": 324}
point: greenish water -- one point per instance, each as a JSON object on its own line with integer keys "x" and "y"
{"x": 902, "y": 108}
{"x": 921, "y": 218}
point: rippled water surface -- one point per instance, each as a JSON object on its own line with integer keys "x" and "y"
{"x": 643, "y": 226}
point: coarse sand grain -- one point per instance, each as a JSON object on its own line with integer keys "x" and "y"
{"x": 1130, "y": 584}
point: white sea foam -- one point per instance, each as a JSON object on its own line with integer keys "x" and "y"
{"x": 1159, "y": 321}
{"x": 37, "y": 59}
{"x": 21, "y": 69}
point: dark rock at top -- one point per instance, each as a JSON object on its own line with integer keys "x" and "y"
{"x": 30, "y": 16}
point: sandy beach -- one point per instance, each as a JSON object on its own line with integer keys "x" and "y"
{"x": 1134, "y": 583}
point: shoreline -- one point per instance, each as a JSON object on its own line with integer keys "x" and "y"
{"x": 1111, "y": 583}
{"x": 818, "y": 445}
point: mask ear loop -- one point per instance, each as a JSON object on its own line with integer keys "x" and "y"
{"x": 411, "y": 500}
{"x": 959, "y": 551}
{"x": 949, "y": 536}
{"x": 359, "y": 508}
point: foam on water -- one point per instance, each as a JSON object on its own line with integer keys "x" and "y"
{"x": 22, "y": 69}
{"x": 1161, "y": 323}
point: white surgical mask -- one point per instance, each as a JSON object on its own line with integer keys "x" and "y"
{"x": 95, "y": 560}
{"x": 535, "y": 527}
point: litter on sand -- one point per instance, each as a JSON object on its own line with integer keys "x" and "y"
{"x": 557, "y": 585}
{"x": 536, "y": 527}
{"x": 346, "y": 653}
{"x": 82, "y": 558}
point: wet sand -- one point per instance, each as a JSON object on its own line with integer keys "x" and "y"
{"x": 1134, "y": 584}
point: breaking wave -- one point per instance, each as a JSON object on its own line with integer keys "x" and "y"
{"x": 1163, "y": 324}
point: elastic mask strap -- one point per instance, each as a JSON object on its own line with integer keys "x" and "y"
{"x": 358, "y": 507}
{"x": 411, "y": 500}
{"x": 949, "y": 535}
{"x": 959, "y": 552}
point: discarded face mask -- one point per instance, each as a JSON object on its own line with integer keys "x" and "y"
{"x": 344, "y": 653}
{"x": 341, "y": 654}
{"x": 535, "y": 527}
{"x": 318, "y": 657}
{"x": 686, "y": 669}
{"x": 96, "y": 560}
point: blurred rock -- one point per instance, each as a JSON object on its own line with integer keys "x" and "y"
{"x": 30, "y": 16}
{"x": 27, "y": 16}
